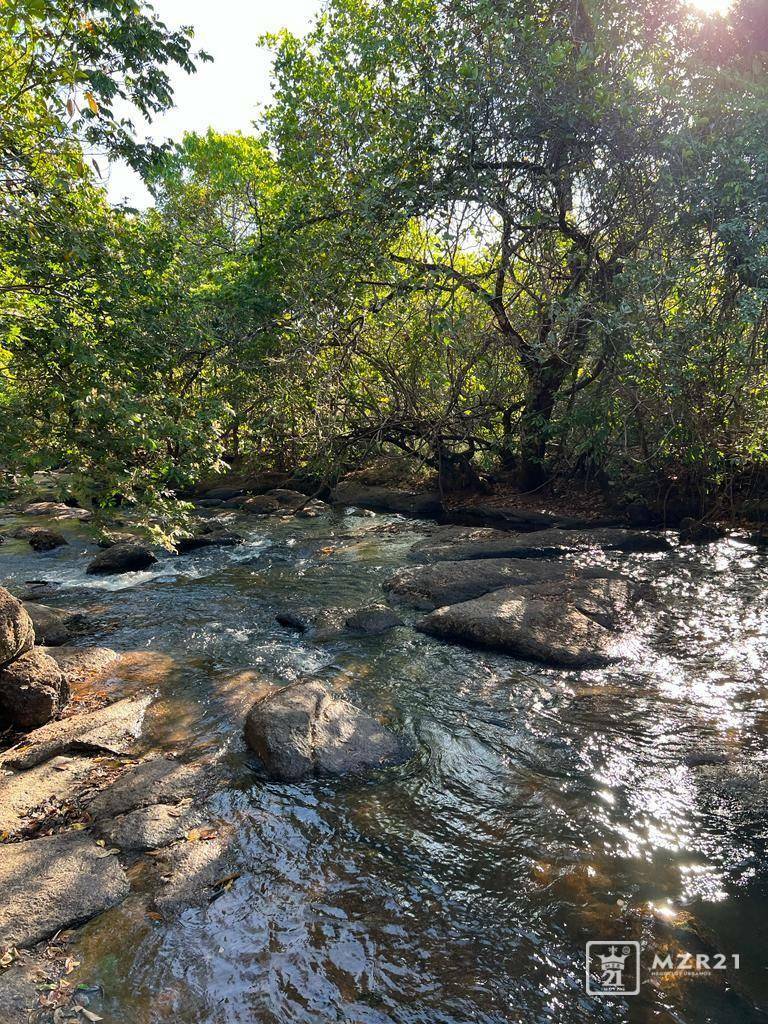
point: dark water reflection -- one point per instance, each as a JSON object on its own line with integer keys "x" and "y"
{"x": 545, "y": 808}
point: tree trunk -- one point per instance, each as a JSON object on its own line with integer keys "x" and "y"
{"x": 543, "y": 386}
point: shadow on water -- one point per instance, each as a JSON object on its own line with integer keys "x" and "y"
{"x": 544, "y": 809}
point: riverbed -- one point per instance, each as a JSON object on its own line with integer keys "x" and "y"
{"x": 544, "y": 808}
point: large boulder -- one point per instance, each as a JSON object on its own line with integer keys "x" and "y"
{"x": 302, "y": 730}
{"x": 46, "y": 540}
{"x": 390, "y": 499}
{"x": 439, "y": 583}
{"x": 33, "y": 690}
{"x": 52, "y": 883}
{"x": 54, "y": 626}
{"x": 121, "y": 558}
{"x": 17, "y": 634}
{"x": 572, "y": 623}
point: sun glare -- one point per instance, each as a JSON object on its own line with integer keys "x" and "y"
{"x": 712, "y": 6}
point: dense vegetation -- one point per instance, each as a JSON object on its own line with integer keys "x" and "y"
{"x": 526, "y": 236}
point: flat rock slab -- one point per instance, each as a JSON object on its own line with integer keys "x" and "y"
{"x": 456, "y": 544}
{"x": 302, "y": 730}
{"x": 24, "y": 794}
{"x": 390, "y": 499}
{"x": 149, "y": 828}
{"x": 52, "y": 883}
{"x": 54, "y": 626}
{"x": 158, "y": 780}
{"x": 440, "y": 583}
{"x": 504, "y": 516}
{"x": 111, "y": 729}
{"x": 565, "y": 623}
{"x": 57, "y": 510}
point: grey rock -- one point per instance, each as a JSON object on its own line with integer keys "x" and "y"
{"x": 23, "y": 794}
{"x": 440, "y": 583}
{"x": 46, "y": 540}
{"x": 302, "y": 730}
{"x": 224, "y": 493}
{"x": 285, "y": 496}
{"x": 193, "y": 872}
{"x": 121, "y": 558}
{"x": 453, "y": 544}
{"x": 52, "y": 883}
{"x": 574, "y": 624}
{"x": 57, "y": 510}
{"x": 373, "y": 620}
{"x": 54, "y": 626}
{"x": 694, "y": 532}
{"x": 261, "y": 505}
{"x": 501, "y": 516}
{"x": 17, "y": 634}
{"x": 217, "y": 538}
{"x": 112, "y": 730}
{"x": 158, "y": 780}
{"x": 149, "y": 828}
{"x": 391, "y": 499}
{"x": 318, "y": 621}
{"x": 33, "y": 690}
{"x": 209, "y": 503}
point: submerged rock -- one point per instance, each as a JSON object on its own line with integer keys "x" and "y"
{"x": 33, "y": 690}
{"x": 332, "y": 622}
{"x": 122, "y": 558}
{"x": 52, "y": 883}
{"x": 454, "y": 544}
{"x": 391, "y": 499}
{"x": 215, "y": 538}
{"x": 439, "y": 583}
{"x": 54, "y": 626}
{"x": 17, "y": 634}
{"x": 83, "y": 663}
{"x": 112, "y": 730}
{"x": 570, "y": 623}
{"x": 302, "y": 730}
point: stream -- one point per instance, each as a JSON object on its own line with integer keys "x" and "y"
{"x": 545, "y": 808}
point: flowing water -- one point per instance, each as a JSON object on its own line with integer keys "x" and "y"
{"x": 545, "y": 808}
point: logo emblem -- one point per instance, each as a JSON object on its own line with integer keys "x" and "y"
{"x": 613, "y": 968}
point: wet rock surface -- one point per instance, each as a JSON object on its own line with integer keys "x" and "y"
{"x": 328, "y": 623}
{"x": 55, "y": 882}
{"x": 79, "y": 664}
{"x": 302, "y": 731}
{"x": 54, "y": 626}
{"x": 456, "y": 544}
{"x": 216, "y": 538}
{"x": 574, "y": 624}
{"x": 439, "y": 583}
{"x": 46, "y": 540}
{"x": 120, "y": 558}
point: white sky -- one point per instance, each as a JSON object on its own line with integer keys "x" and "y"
{"x": 227, "y": 93}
